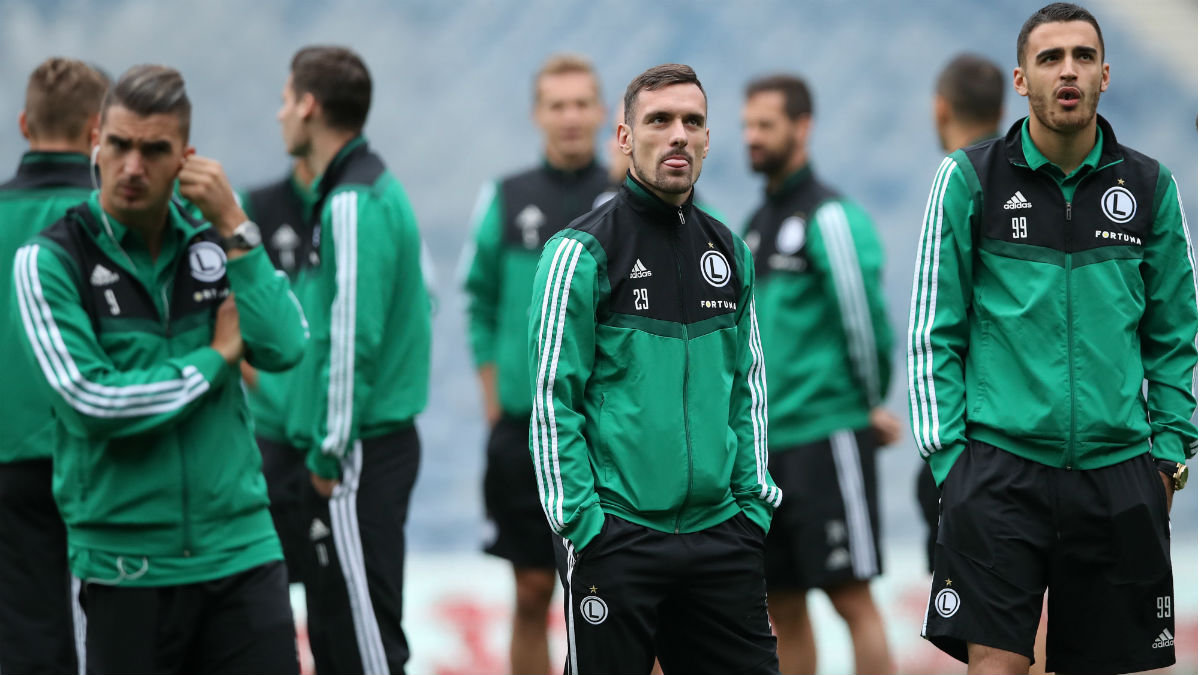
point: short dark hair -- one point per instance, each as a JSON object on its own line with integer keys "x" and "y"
{"x": 562, "y": 64}
{"x": 151, "y": 90}
{"x": 656, "y": 78}
{"x": 338, "y": 80}
{"x": 61, "y": 96}
{"x": 1055, "y": 12}
{"x": 974, "y": 88}
{"x": 797, "y": 100}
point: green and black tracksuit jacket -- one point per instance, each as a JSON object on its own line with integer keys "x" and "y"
{"x": 358, "y": 277}
{"x": 819, "y": 265}
{"x": 647, "y": 375}
{"x": 513, "y": 220}
{"x": 1041, "y": 301}
{"x": 282, "y": 210}
{"x": 45, "y": 186}
{"x": 156, "y": 471}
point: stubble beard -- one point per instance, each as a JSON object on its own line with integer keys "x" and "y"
{"x": 662, "y": 180}
{"x": 1065, "y": 122}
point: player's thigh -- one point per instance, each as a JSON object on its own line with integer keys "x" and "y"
{"x": 1111, "y": 606}
{"x": 990, "y": 567}
{"x": 716, "y": 620}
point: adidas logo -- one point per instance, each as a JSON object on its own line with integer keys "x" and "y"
{"x": 640, "y": 271}
{"x": 1164, "y": 639}
{"x": 318, "y": 530}
{"x": 1018, "y": 201}
{"x": 102, "y": 276}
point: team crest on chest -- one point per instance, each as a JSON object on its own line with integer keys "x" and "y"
{"x": 715, "y": 268}
{"x": 1118, "y": 204}
{"x": 207, "y": 261}
{"x": 530, "y": 219}
{"x": 792, "y": 234}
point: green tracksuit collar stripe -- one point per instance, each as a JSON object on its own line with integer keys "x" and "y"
{"x": 793, "y": 181}
{"x": 1036, "y": 160}
{"x": 38, "y": 157}
{"x": 1021, "y": 151}
{"x": 644, "y": 199}
{"x": 178, "y": 222}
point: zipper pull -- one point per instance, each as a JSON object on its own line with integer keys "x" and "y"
{"x": 681, "y": 219}
{"x": 1068, "y": 211}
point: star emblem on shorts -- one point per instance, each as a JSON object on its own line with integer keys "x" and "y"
{"x": 710, "y": 245}
{"x": 949, "y": 583}
{"x": 1120, "y": 181}
{"x": 592, "y": 589}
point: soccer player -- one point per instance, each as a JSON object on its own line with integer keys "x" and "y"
{"x": 968, "y": 102}
{"x": 137, "y": 317}
{"x": 514, "y": 218}
{"x": 819, "y": 262}
{"x": 1052, "y": 350}
{"x": 648, "y": 433}
{"x": 40, "y": 621}
{"x": 349, "y": 408}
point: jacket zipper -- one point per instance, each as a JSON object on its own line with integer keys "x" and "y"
{"x": 183, "y": 472}
{"x": 687, "y": 425}
{"x": 1070, "y": 346}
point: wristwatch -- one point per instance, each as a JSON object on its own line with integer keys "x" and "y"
{"x": 245, "y": 237}
{"x": 1178, "y": 473}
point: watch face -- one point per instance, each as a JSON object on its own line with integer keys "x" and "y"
{"x": 249, "y": 233}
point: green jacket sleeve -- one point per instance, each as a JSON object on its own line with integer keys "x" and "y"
{"x": 93, "y": 396}
{"x": 847, "y": 250}
{"x": 938, "y": 332}
{"x": 272, "y": 323}
{"x": 482, "y": 280}
{"x": 376, "y": 256}
{"x": 1168, "y": 327}
{"x": 562, "y": 345}
{"x": 751, "y": 483}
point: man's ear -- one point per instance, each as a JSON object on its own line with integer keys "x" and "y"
{"x": 625, "y": 139}
{"x": 1019, "y": 82}
{"x": 23, "y": 123}
{"x": 307, "y": 106}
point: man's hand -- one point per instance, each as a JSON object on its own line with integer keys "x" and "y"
{"x": 1169, "y": 488}
{"x": 227, "y": 333}
{"x": 491, "y": 399}
{"x": 886, "y": 426}
{"x": 323, "y": 486}
{"x": 202, "y": 181}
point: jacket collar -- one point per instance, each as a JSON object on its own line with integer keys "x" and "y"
{"x": 337, "y": 167}
{"x": 642, "y": 199}
{"x": 1104, "y": 152}
{"x": 794, "y": 181}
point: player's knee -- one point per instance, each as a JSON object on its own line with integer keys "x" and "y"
{"x": 853, "y": 601}
{"x": 787, "y": 608}
{"x": 535, "y": 588}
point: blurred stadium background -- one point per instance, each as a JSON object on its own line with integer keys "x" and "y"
{"x": 451, "y": 110}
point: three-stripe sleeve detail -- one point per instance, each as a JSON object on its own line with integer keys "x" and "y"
{"x": 852, "y": 296}
{"x": 921, "y": 314}
{"x": 63, "y": 374}
{"x": 756, "y": 379}
{"x": 339, "y": 414}
{"x": 550, "y": 335}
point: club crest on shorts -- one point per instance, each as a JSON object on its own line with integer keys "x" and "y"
{"x": 946, "y": 602}
{"x": 207, "y": 261}
{"x": 594, "y": 610}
